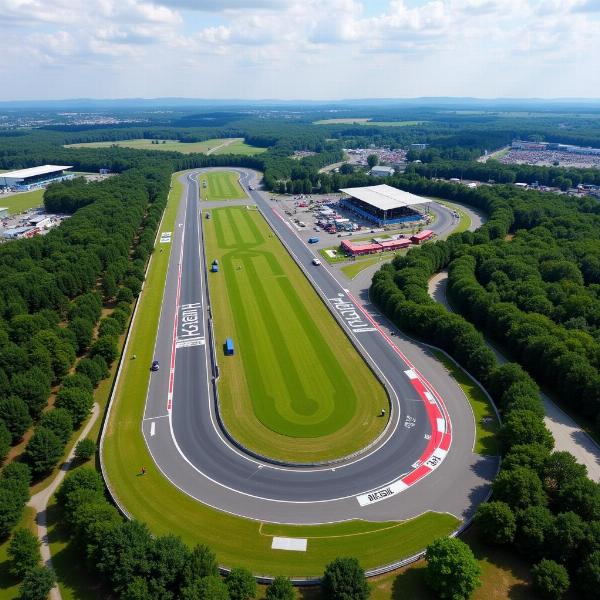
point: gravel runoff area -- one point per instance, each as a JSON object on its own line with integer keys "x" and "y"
{"x": 567, "y": 433}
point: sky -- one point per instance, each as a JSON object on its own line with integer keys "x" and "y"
{"x": 299, "y": 49}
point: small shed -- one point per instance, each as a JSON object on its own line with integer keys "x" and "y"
{"x": 229, "y": 350}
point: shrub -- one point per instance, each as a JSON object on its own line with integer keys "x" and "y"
{"x": 37, "y": 583}
{"x": 452, "y": 571}
{"x": 43, "y": 451}
{"x": 84, "y": 450}
{"x": 550, "y": 579}
{"x": 496, "y": 522}
{"x": 280, "y": 589}
{"x": 23, "y": 552}
{"x": 15, "y": 415}
{"x": 60, "y": 421}
{"x": 241, "y": 584}
{"x": 344, "y": 578}
{"x": 78, "y": 401}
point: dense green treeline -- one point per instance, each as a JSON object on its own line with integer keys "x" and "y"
{"x": 563, "y": 177}
{"x": 53, "y": 289}
{"x": 543, "y": 502}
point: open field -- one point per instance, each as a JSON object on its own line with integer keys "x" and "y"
{"x": 17, "y": 203}
{"x": 238, "y": 146}
{"x": 486, "y": 422}
{"x": 220, "y": 185}
{"x": 296, "y": 388}
{"x": 217, "y": 145}
{"x": 368, "y": 121}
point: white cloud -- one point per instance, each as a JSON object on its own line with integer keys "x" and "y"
{"x": 304, "y": 48}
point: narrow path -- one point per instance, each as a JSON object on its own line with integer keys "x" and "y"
{"x": 39, "y": 501}
{"x": 567, "y": 433}
{"x": 223, "y": 145}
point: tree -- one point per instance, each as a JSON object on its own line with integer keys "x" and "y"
{"x": 23, "y": 552}
{"x": 588, "y": 576}
{"x": 566, "y": 536}
{"x": 581, "y": 496}
{"x": 84, "y": 450}
{"x": 452, "y": 571}
{"x": 15, "y": 415}
{"x": 206, "y": 588}
{"x": 202, "y": 562}
{"x": 532, "y": 456}
{"x": 519, "y": 488}
{"x": 33, "y": 387}
{"x": 524, "y": 427}
{"x": 280, "y": 588}
{"x": 372, "y": 160}
{"x": 5, "y": 440}
{"x": 346, "y": 169}
{"x": 168, "y": 557}
{"x": 241, "y": 584}
{"x": 84, "y": 478}
{"x": 60, "y": 421}
{"x": 533, "y": 528}
{"x": 550, "y": 579}
{"x": 344, "y": 579}
{"x": 496, "y": 522}
{"x": 560, "y": 469}
{"x": 77, "y": 401}
{"x": 106, "y": 347}
{"x": 43, "y": 451}
{"x": 37, "y": 583}
{"x": 124, "y": 552}
{"x": 83, "y": 329}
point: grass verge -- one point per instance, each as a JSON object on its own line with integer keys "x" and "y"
{"x": 296, "y": 389}
{"x": 18, "y": 203}
{"x": 486, "y": 421}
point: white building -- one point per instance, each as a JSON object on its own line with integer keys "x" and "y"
{"x": 381, "y": 171}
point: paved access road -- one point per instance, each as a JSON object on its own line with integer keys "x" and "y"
{"x": 424, "y": 462}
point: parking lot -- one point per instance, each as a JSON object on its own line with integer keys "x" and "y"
{"x": 322, "y": 222}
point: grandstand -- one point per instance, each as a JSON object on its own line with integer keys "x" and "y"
{"x": 383, "y": 204}
{"x": 35, "y": 177}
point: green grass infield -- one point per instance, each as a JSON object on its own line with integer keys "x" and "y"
{"x": 220, "y": 185}
{"x": 296, "y": 389}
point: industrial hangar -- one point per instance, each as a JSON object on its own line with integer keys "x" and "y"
{"x": 383, "y": 204}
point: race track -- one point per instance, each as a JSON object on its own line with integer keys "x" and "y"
{"x": 424, "y": 461}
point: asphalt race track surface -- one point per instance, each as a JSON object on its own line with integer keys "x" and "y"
{"x": 423, "y": 462}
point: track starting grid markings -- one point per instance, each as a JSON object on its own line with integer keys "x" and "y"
{"x": 433, "y": 455}
{"x": 189, "y": 331}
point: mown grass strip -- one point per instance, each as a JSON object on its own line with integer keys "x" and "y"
{"x": 486, "y": 421}
{"x": 220, "y": 185}
{"x": 296, "y": 389}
